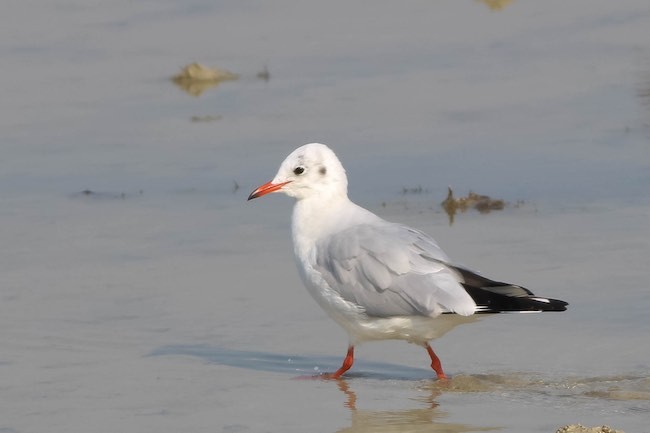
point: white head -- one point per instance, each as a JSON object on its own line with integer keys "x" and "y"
{"x": 310, "y": 170}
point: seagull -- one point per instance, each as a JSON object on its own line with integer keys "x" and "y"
{"x": 380, "y": 280}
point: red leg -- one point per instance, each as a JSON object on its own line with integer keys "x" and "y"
{"x": 435, "y": 362}
{"x": 347, "y": 363}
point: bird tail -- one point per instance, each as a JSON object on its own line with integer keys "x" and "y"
{"x": 497, "y": 297}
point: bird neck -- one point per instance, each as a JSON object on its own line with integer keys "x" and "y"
{"x": 316, "y": 217}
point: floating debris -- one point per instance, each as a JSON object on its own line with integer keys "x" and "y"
{"x": 198, "y": 119}
{"x": 198, "y": 72}
{"x": 643, "y": 93}
{"x": 482, "y": 203}
{"x": 264, "y": 74}
{"x": 196, "y": 78}
{"x": 99, "y": 195}
{"x": 415, "y": 190}
{"x": 496, "y": 5}
{"x": 579, "y": 428}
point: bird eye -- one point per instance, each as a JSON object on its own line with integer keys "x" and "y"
{"x": 299, "y": 170}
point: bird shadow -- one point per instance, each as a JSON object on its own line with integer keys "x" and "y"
{"x": 299, "y": 365}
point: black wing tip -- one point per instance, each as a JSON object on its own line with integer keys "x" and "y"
{"x": 489, "y": 301}
{"x": 497, "y": 297}
{"x": 559, "y": 304}
{"x": 553, "y": 307}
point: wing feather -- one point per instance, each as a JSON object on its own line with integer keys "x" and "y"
{"x": 391, "y": 270}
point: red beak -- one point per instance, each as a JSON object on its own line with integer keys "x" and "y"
{"x": 268, "y": 187}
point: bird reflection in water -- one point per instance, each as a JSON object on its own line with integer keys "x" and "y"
{"x": 424, "y": 419}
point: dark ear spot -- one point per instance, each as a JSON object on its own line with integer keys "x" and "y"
{"x": 322, "y": 170}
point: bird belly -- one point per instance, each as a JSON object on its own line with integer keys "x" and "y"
{"x": 414, "y": 329}
{"x": 362, "y": 327}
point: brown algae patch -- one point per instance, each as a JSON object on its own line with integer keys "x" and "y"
{"x": 482, "y": 203}
{"x": 496, "y": 5}
{"x": 196, "y": 78}
{"x": 198, "y": 72}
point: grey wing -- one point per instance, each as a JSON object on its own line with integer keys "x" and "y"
{"x": 391, "y": 270}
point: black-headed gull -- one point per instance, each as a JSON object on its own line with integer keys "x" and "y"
{"x": 380, "y": 280}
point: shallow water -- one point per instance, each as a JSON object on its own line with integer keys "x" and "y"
{"x": 139, "y": 291}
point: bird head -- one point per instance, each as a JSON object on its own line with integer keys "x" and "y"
{"x": 310, "y": 170}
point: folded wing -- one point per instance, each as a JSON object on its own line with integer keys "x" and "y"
{"x": 392, "y": 270}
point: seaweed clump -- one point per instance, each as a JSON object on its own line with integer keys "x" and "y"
{"x": 482, "y": 203}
